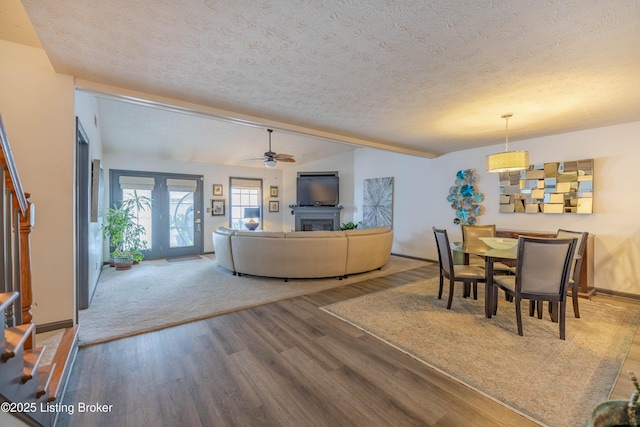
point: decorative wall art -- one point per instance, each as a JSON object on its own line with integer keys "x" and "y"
{"x": 217, "y": 207}
{"x": 465, "y": 198}
{"x": 217, "y": 189}
{"x": 377, "y": 208}
{"x": 560, "y": 187}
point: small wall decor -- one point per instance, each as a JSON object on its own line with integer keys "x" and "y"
{"x": 217, "y": 189}
{"x": 377, "y": 209}
{"x": 273, "y": 191}
{"x": 217, "y": 207}
{"x": 464, "y": 198}
{"x": 274, "y": 206}
{"x": 560, "y": 187}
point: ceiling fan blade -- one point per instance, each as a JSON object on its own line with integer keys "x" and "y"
{"x": 287, "y": 160}
{"x": 281, "y": 156}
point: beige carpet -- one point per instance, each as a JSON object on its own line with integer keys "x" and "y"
{"x": 157, "y": 294}
{"x": 552, "y": 382}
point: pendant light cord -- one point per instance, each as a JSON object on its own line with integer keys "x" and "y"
{"x": 506, "y": 118}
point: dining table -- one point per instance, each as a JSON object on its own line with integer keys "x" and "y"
{"x": 490, "y": 255}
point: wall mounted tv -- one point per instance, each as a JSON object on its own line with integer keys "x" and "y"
{"x": 318, "y": 189}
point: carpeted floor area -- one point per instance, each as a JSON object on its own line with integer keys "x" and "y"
{"x": 157, "y": 294}
{"x": 553, "y": 382}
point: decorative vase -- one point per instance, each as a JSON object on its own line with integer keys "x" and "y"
{"x": 251, "y": 225}
{"x": 123, "y": 262}
{"x": 611, "y": 413}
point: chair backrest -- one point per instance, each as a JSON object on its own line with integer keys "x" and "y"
{"x": 544, "y": 265}
{"x": 444, "y": 250}
{"x": 471, "y": 233}
{"x": 581, "y": 244}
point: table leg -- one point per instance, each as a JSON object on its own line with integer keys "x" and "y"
{"x": 488, "y": 287}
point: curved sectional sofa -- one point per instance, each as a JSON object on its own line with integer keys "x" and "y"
{"x": 302, "y": 254}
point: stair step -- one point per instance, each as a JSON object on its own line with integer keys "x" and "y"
{"x": 14, "y": 339}
{"x": 63, "y": 359}
{"x": 44, "y": 378}
{"x": 6, "y": 299}
{"x": 31, "y": 361}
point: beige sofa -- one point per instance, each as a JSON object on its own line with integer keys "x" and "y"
{"x": 302, "y": 254}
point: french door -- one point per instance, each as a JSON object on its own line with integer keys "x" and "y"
{"x": 173, "y": 224}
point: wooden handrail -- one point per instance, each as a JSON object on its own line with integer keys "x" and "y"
{"x": 12, "y": 179}
{"x": 22, "y": 226}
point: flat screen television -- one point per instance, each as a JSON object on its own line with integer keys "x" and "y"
{"x": 318, "y": 190}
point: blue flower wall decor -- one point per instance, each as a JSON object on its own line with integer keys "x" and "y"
{"x": 465, "y": 198}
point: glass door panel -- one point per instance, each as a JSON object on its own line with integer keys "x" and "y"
{"x": 142, "y": 215}
{"x": 181, "y": 220}
{"x": 173, "y": 221}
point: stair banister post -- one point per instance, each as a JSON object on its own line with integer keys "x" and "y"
{"x": 27, "y": 221}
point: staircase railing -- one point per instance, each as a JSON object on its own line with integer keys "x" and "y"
{"x": 16, "y": 221}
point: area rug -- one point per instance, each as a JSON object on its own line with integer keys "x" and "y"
{"x": 157, "y": 294}
{"x": 551, "y": 381}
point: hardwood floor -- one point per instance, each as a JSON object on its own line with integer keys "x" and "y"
{"x": 282, "y": 364}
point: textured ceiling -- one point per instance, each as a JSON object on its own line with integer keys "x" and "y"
{"x": 432, "y": 76}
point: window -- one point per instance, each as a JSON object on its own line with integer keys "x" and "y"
{"x": 246, "y": 203}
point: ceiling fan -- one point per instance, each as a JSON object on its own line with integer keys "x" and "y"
{"x": 271, "y": 158}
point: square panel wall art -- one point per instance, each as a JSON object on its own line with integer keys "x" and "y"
{"x": 561, "y": 187}
{"x": 377, "y": 209}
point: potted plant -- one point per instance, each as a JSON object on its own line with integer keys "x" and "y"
{"x": 618, "y": 412}
{"x": 135, "y": 244}
{"x": 349, "y": 226}
{"x": 121, "y": 226}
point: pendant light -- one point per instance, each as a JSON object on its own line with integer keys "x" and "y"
{"x": 507, "y": 161}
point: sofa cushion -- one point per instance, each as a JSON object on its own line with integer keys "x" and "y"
{"x": 313, "y": 234}
{"x": 225, "y": 230}
{"x": 276, "y": 234}
{"x": 365, "y": 231}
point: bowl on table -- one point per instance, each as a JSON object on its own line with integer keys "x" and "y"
{"x": 503, "y": 243}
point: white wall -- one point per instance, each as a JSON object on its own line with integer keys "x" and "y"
{"x": 421, "y": 188}
{"x": 284, "y": 179}
{"x": 213, "y": 174}
{"x": 343, "y": 163}
{"x": 37, "y": 109}
{"x": 86, "y": 108}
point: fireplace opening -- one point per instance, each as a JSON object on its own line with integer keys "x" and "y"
{"x": 316, "y": 224}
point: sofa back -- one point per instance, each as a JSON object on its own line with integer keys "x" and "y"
{"x": 222, "y": 247}
{"x": 368, "y": 248}
{"x": 307, "y": 255}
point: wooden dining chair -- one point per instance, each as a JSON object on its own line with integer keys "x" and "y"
{"x": 471, "y": 234}
{"x": 574, "y": 275}
{"x": 542, "y": 274}
{"x": 468, "y": 274}
{"x": 576, "y": 265}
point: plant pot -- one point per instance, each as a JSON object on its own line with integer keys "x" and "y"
{"x": 610, "y": 414}
{"x": 123, "y": 262}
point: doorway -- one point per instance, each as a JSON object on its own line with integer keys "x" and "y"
{"x": 173, "y": 225}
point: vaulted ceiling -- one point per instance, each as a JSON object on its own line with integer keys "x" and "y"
{"x": 426, "y": 77}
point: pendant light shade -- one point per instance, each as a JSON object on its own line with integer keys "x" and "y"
{"x": 507, "y": 161}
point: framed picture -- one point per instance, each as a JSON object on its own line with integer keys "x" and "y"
{"x": 274, "y": 206}
{"x": 274, "y": 191}
{"x": 217, "y": 189}
{"x": 217, "y": 207}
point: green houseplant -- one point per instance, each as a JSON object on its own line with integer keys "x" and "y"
{"x": 349, "y": 226}
{"x": 122, "y": 227}
{"x": 618, "y": 412}
{"x": 137, "y": 203}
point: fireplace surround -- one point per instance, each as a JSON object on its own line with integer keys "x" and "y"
{"x": 316, "y": 218}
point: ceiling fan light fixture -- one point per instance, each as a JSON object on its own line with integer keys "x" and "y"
{"x": 270, "y": 163}
{"x": 507, "y": 161}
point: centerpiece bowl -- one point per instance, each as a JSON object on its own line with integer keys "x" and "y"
{"x": 503, "y": 243}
